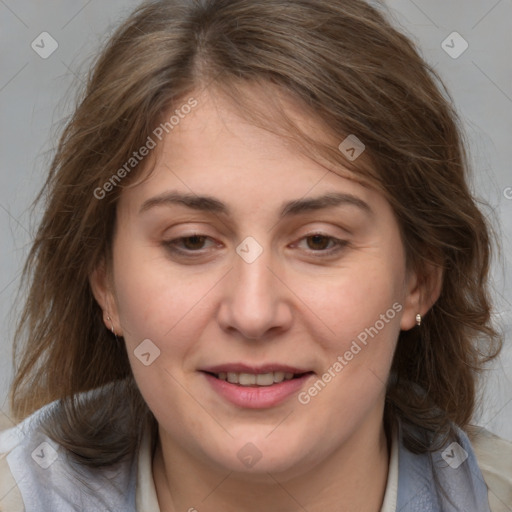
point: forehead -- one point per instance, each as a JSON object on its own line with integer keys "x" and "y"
{"x": 214, "y": 149}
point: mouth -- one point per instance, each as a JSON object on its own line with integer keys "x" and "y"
{"x": 257, "y": 379}
{"x": 256, "y": 387}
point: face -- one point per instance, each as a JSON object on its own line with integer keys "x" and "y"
{"x": 228, "y": 264}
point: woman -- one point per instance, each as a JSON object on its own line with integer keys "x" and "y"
{"x": 260, "y": 281}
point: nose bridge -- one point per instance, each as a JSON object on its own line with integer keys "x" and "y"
{"x": 253, "y": 277}
{"x": 255, "y": 302}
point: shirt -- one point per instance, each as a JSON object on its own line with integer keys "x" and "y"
{"x": 23, "y": 449}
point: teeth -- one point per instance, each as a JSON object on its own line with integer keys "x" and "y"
{"x": 280, "y": 376}
{"x": 263, "y": 379}
{"x": 233, "y": 378}
{"x": 251, "y": 379}
{"x": 246, "y": 379}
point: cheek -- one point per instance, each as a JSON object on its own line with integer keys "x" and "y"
{"x": 155, "y": 301}
{"x": 143, "y": 296}
{"x": 155, "y": 306}
{"x": 358, "y": 329}
{"x": 354, "y": 300}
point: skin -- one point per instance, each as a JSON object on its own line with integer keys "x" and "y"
{"x": 291, "y": 305}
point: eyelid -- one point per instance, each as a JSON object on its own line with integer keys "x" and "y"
{"x": 173, "y": 242}
{"x": 339, "y": 245}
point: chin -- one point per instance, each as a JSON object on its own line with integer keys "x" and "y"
{"x": 253, "y": 457}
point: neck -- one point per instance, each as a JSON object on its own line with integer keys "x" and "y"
{"x": 352, "y": 478}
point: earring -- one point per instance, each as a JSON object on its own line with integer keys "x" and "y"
{"x": 111, "y": 326}
{"x": 418, "y": 319}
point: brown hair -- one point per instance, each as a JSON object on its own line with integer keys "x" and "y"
{"x": 349, "y": 69}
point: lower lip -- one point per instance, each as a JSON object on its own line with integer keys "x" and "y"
{"x": 257, "y": 397}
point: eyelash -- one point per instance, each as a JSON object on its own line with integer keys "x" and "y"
{"x": 339, "y": 245}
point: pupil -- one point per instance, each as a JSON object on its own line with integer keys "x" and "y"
{"x": 197, "y": 241}
{"x": 318, "y": 239}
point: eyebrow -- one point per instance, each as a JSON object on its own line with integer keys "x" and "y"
{"x": 290, "y": 208}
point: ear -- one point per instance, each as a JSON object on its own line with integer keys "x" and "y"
{"x": 102, "y": 289}
{"x": 422, "y": 291}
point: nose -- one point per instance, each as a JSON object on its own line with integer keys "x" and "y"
{"x": 256, "y": 303}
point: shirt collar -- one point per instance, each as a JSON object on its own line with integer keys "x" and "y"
{"x": 391, "y": 494}
{"x": 145, "y": 498}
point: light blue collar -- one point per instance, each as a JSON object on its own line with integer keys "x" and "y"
{"x": 61, "y": 487}
{"x": 448, "y": 480}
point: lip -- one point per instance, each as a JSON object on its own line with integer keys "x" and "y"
{"x": 256, "y": 397}
{"x": 244, "y": 368}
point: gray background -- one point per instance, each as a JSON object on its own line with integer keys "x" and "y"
{"x": 37, "y": 94}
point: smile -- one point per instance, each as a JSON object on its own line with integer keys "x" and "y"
{"x": 260, "y": 388}
{"x": 252, "y": 379}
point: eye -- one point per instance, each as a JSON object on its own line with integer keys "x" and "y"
{"x": 187, "y": 244}
{"x": 318, "y": 244}
{"x": 324, "y": 244}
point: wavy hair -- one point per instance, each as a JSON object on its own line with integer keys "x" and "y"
{"x": 349, "y": 69}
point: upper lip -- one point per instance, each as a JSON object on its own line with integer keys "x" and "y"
{"x": 246, "y": 368}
